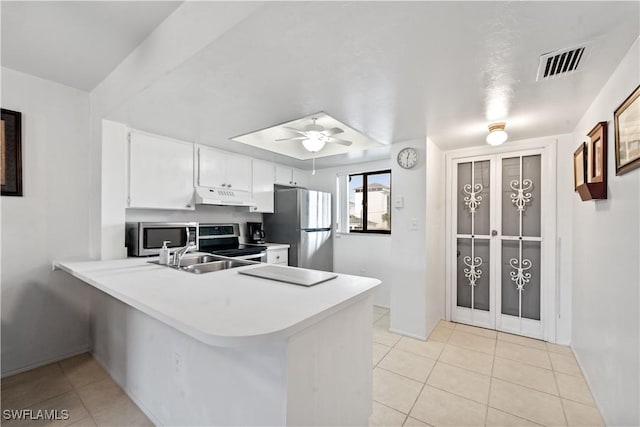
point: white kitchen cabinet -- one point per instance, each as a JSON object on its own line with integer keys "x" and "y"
{"x": 284, "y": 175}
{"x": 262, "y": 186}
{"x": 291, "y": 177}
{"x": 278, "y": 256}
{"x": 220, "y": 169}
{"x": 300, "y": 178}
{"x": 160, "y": 172}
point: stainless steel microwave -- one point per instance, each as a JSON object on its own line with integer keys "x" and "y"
{"x": 145, "y": 238}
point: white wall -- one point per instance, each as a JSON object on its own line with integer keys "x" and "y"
{"x": 606, "y": 249}
{"x": 408, "y": 244}
{"x": 113, "y": 194}
{"x": 435, "y": 235}
{"x": 359, "y": 254}
{"x": 44, "y": 313}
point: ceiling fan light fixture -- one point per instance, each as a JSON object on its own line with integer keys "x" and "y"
{"x": 313, "y": 144}
{"x": 497, "y": 135}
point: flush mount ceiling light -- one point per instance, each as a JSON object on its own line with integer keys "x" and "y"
{"x": 497, "y": 135}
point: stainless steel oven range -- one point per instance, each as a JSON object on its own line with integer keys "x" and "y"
{"x": 224, "y": 239}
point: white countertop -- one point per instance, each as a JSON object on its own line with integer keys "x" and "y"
{"x": 220, "y": 308}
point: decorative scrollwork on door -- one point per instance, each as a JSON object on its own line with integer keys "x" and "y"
{"x": 472, "y": 273}
{"x": 473, "y": 198}
{"x": 520, "y": 276}
{"x": 522, "y": 195}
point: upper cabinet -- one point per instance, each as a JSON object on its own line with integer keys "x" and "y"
{"x": 291, "y": 177}
{"x": 220, "y": 169}
{"x": 262, "y": 186}
{"x": 160, "y": 172}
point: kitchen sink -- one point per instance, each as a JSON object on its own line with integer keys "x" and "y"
{"x": 200, "y": 259}
{"x": 216, "y": 266}
{"x": 208, "y": 263}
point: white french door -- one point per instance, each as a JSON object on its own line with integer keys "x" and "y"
{"x": 498, "y": 248}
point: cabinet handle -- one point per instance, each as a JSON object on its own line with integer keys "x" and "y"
{"x": 228, "y": 185}
{"x": 290, "y": 182}
{"x": 188, "y": 206}
{"x": 295, "y": 183}
{"x": 198, "y": 166}
{"x": 278, "y": 257}
{"x": 224, "y": 185}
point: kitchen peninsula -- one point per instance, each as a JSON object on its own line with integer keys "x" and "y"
{"x": 227, "y": 349}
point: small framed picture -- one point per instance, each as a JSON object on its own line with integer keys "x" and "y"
{"x": 597, "y": 153}
{"x": 579, "y": 166}
{"x": 627, "y": 133}
{"x": 11, "y": 153}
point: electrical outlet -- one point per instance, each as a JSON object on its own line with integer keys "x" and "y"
{"x": 177, "y": 362}
{"x": 413, "y": 224}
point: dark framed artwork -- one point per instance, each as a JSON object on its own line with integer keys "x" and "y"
{"x": 597, "y": 167}
{"x": 11, "y": 153}
{"x": 627, "y": 133}
{"x": 580, "y": 166}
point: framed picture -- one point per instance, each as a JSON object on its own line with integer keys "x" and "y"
{"x": 11, "y": 153}
{"x": 597, "y": 153}
{"x": 579, "y": 166}
{"x": 627, "y": 133}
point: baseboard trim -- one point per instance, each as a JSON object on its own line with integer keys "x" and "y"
{"x": 407, "y": 334}
{"x": 584, "y": 375}
{"x": 80, "y": 350}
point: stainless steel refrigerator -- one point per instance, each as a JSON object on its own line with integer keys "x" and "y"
{"x": 302, "y": 218}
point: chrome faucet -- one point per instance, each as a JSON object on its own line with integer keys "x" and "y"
{"x": 180, "y": 253}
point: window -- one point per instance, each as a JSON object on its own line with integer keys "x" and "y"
{"x": 370, "y": 202}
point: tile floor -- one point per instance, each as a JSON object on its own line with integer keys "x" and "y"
{"x": 77, "y": 384}
{"x": 467, "y": 376}
{"x": 461, "y": 376}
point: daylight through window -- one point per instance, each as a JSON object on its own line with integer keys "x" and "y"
{"x": 370, "y": 202}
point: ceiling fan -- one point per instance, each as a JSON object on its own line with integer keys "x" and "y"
{"x": 314, "y": 137}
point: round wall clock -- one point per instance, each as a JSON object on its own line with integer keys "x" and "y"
{"x": 407, "y": 158}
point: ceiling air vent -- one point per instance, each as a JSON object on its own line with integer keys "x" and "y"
{"x": 560, "y": 62}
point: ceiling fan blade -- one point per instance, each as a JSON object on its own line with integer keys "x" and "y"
{"x": 298, "y": 131}
{"x": 341, "y": 142}
{"x": 297, "y": 138}
{"x": 332, "y": 131}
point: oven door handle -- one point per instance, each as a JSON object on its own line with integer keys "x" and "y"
{"x": 252, "y": 256}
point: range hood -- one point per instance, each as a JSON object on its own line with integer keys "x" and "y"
{"x": 223, "y": 196}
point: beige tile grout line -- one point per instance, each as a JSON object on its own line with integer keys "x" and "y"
{"x": 493, "y": 362}
{"x": 564, "y": 413}
{"x": 75, "y": 390}
{"x": 425, "y": 381}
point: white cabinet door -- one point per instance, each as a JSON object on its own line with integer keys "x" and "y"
{"x": 160, "y": 172}
{"x": 211, "y": 167}
{"x": 284, "y": 175}
{"x": 263, "y": 179}
{"x": 238, "y": 172}
{"x": 300, "y": 178}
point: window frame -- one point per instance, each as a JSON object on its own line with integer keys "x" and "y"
{"x": 365, "y": 197}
